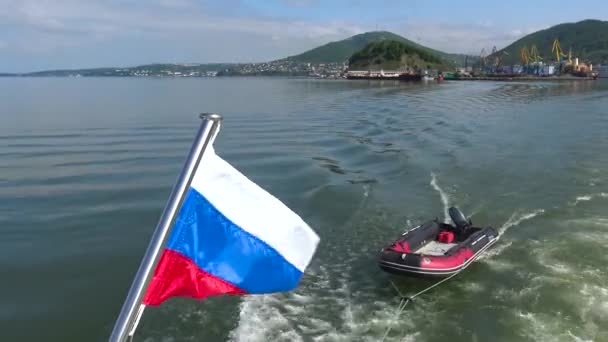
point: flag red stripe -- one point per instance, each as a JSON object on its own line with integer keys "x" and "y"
{"x": 178, "y": 276}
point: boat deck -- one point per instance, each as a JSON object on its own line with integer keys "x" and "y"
{"x": 435, "y": 248}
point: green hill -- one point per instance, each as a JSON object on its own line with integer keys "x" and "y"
{"x": 392, "y": 55}
{"x": 341, "y": 51}
{"x": 588, "y": 40}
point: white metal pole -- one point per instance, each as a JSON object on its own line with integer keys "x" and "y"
{"x": 132, "y": 308}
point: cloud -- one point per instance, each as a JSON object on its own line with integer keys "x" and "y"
{"x": 65, "y": 17}
{"x": 75, "y": 33}
{"x": 71, "y": 33}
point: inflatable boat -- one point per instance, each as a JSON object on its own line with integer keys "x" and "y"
{"x": 437, "y": 249}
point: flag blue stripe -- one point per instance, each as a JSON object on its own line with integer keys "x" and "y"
{"x": 225, "y": 250}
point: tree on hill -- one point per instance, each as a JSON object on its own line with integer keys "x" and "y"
{"x": 341, "y": 51}
{"x": 392, "y": 54}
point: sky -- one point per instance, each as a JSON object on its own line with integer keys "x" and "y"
{"x": 57, "y": 34}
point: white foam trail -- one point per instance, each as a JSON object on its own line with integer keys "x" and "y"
{"x": 576, "y": 338}
{"x": 365, "y": 190}
{"x": 301, "y": 316}
{"x": 411, "y": 338}
{"x": 496, "y": 250}
{"x": 589, "y": 197}
{"x": 476, "y": 210}
{"x": 260, "y": 319}
{"x": 515, "y": 219}
{"x": 444, "y": 197}
{"x": 583, "y": 198}
{"x": 546, "y": 327}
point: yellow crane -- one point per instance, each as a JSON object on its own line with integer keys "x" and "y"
{"x": 525, "y": 55}
{"x": 559, "y": 53}
{"x": 534, "y": 56}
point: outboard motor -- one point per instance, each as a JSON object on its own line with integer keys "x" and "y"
{"x": 459, "y": 219}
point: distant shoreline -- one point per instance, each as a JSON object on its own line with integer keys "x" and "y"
{"x": 477, "y": 78}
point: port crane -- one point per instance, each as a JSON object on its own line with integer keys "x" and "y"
{"x": 482, "y": 58}
{"x": 534, "y": 55}
{"x": 498, "y": 56}
{"x": 569, "y": 65}
{"x": 559, "y": 53}
{"x": 524, "y": 54}
{"x": 530, "y": 59}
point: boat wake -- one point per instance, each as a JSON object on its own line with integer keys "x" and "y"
{"x": 259, "y": 317}
{"x": 444, "y": 197}
{"x": 339, "y": 316}
{"x": 586, "y": 198}
{"x": 513, "y": 221}
{"x": 516, "y": 219}
{"x": 496, "y": 250}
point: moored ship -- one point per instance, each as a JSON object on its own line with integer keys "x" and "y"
{"x": 601, "y": 70}
{"x": 383, "y": 75}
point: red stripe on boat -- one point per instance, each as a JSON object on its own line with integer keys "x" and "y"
{"x": 442, "y": 262}
{"x": 401, "y": 247}
{"x": 178, "y": 276}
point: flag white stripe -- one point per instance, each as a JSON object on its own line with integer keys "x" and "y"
{"x": 255, "y": 210}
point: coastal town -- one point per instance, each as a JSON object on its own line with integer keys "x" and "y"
{"x": 284, "y": 67}
{"x": 319, "y": 70}
{"x": 288, "y": 67}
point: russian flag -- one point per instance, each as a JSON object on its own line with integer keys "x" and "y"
{"x": 230, "y": 237}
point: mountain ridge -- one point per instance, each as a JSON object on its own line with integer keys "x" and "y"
{"x": 341, "y": 50}
{"x": 588, "y": 39}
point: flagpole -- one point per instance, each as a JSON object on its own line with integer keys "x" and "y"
{"x": 132, "y": 308}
